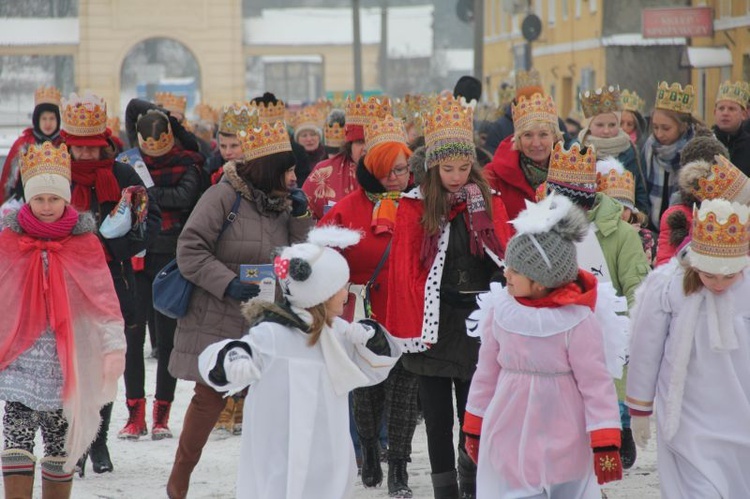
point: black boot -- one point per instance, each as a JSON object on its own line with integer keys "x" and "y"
{"x": 398, "y": 479}
{"x": 627, "y": 449}
{"x": 467, "y": 475}
{"x": 372, "y": 473}
{"x": 81, "y": 465}
{"x": 445, "y": 485}
{"x": 99, "y": 454}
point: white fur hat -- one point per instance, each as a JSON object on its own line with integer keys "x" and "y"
{"x": 312, "y": 272}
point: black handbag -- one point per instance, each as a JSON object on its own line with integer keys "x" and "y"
{"x": 171, "y": 291}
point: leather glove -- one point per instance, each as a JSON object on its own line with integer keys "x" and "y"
{"x": 241, "y": 291}
{"x": 378, "y": 344}
{"x": 607, "y": 464}
{"x": 471, "y": 444}
{"x": 234, "y": 365}
{"x": 299, "y": 202}
{"x": 641, "y": 428}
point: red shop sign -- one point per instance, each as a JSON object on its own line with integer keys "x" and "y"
{"x": 677, "y": 22}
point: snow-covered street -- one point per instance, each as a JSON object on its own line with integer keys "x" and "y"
{"x": 142, "y": 467}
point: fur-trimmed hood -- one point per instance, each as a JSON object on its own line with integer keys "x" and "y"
{"x": 86, "y": 223}
{"x": 257, "y": 311}
{"x": 264, "y": 202}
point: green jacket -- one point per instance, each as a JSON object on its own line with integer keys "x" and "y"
{"x": 621, "y": 245}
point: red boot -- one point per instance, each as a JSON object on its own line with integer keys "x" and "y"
{"x": 136, "y": 425}
{"x": 161, "y": 420}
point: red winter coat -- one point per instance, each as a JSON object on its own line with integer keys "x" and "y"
{"x": 355, "y": 212}
{"x": 25, "y": 139}
{"x": 664, "y": 250}
{"x": 505, "y": 176}
{"x": 406, "y": 285}
{"x": 330, "y": 180}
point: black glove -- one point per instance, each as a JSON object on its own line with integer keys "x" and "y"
{"x": 299, "y": 202}
{"x": 241, "y": 291}
{"x": 378, "y": 344}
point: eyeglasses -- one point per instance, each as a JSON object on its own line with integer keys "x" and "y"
{"x": 399, "y": 171}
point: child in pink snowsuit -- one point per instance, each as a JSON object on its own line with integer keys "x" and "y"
{"x": 542, "y": 398}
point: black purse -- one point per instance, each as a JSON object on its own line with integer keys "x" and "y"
{"x": 171, "y": 291}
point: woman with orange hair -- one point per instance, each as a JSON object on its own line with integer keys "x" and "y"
{"x": 382, "y": 174}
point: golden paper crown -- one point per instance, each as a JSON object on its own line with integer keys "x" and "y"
{"x": 206, "y": 113}
{"x": 528, "y": 83}
{"x": 47, "y": 95}
{"x": 675, "y": 98}
{"x": 84, "y": 116}
{"x": 631, "y": 101}
{"x": 739, "y": 92}
{"x": 308, "y": 117}
{"x": 572, "y": 167}
{"x": 236, "y": 118}
{"x": 620, "y": 186}
{"x": 448, "y": 123}
{"x": 171, "y": 102}
{"x": 720, "y": 231}
{"x": 538, "y": 107}
{"x": 361, "y": 112}
{"x": 45, "y": 159}
{"x": 270, "y": 113}
{"x": 724, "y": 181}
{"x": 264, "y": 140}
{"x": 160, "y": 147}
{"x": 506, "y": 95}
{"x": 389, "y": 129}
{"x": 602, "y": 100}
{"x": 335, "y": 135}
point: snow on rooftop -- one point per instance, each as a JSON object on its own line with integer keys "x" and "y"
{"x": 409, "y": 28}
{"x": 36, "y": 31}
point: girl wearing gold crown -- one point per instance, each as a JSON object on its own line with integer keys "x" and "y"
{"x": 383, "y": 174}
{"x": 450, "y": 233}
{"x": 45, "y": 127}
{"x": 689, "y": 359}
{"x": 62, "y": 347}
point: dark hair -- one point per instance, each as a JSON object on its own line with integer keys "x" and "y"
{"x": 152, "y": 125}
{"x": 267, "y": 98}
{"x": 267, "y": 173}
{"x": 469, "y": 88}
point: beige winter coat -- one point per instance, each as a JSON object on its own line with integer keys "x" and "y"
{"x": 251, "y": 239}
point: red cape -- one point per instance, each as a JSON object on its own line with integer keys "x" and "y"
{"x": 505, "y": 176}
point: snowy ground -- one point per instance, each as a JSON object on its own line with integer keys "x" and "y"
{"x": 142, "y": 467}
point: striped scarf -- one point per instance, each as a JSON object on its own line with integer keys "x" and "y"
{"x": 384, "y": 211}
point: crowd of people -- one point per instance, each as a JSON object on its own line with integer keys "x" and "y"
{"x": 551, "y": 285}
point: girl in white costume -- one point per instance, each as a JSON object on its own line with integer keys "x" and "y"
{"x": 301, "y": 361}
{"x": 690, "y": 360}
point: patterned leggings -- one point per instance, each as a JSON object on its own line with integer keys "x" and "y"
{"x": 21, "y": 423}
{"x": 397, "y": 396}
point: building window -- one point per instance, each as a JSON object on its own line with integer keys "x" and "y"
{"x": 551, "y": 14}
{"x": 503, "y": 20}
{"x": 492, "y": 29}
{"x": 566, "y": 8}
{"x": 588, "y": 79}
{"x": 578, "y": 9}
{"x": 593, "y": 6}
{"x": 725, "y": 8}
{"x": 539, "y": 8}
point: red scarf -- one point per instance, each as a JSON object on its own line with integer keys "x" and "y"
{"x": 582, "y": 291}
{"x": 96, "y": 174}
{"x": 43, "y": 230}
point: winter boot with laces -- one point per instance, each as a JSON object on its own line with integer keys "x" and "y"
{"x": 136, "y": 425}
{"x": 398, "y": 479}
{"x": 161, "y": 420}
{"x": 239, "y": 405}
{"x": 372, "y": 473}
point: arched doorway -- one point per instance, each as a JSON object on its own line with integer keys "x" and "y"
{"x": 160, "y": 65}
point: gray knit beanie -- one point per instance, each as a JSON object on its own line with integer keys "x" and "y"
{"x": 543, "y": 248}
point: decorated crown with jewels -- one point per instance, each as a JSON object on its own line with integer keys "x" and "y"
{"x": 389, "y": 129}
{"x": 171, "y": 102}
{"x": 528, "y": 83}
{"x": 84, "y": 115}
{"x": 270, "y": 113}
{"x": 720, "y": 230}
{"x": 157, "y": 147}
{"x": 45, "y": 158}
{"x": 572, "y": 166}
{"x": 675, "y": 98}
{"x": 538, "y": 107}
{"x": 360, "y": 112}
{"x": 206, "y": 113}
{"x": 308, "y": 116}
{"x": 264, "y": 140}
{"x": 47, "y": 95}
{"x": 738, "y": 91}
{"x": 448, "y": 121}
{"x": 237, "y": 117}
{"x": 617, "y": 185}
{"x": 602, "y": 100}
{"x": 724, "y": 181}
{"x": 631, "y": 101}
{"x": 334, "y": 135}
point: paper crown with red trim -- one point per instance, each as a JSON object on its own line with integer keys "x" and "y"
{"x": 84, "y": 115}
{"x": 47, "y": 95}
{"x": 720, "y": 237}
{"x": 264, "y": 140}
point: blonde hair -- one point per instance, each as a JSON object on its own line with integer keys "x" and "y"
{"x": 319, "y": 320}
{"x": 535, "y": 125}
{"x": 691, "y": 282}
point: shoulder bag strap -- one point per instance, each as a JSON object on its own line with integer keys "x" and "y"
{"x": 368, "y": 285}
{"x": 231, "y": 217}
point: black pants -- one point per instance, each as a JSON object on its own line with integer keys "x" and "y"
{"x": 164, "y": 329}
{"x": 436, "y": 397}
{"x": 397, "y": 396}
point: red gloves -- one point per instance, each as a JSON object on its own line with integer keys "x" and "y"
{"x": 472, "y": 429}
{"x": 607, "y": 464}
